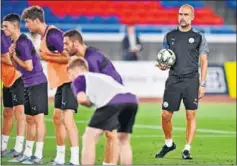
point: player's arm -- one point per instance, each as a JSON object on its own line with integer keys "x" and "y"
{"x": 204, "y": 50}
{"x": 83, "y": 100}
{"x": 79, "y": 89}
{"x": 24, "y": 51}
{"x": 55, "y": 38}
{"x": 62, "y": 57}
{"x": 5, "y": 58}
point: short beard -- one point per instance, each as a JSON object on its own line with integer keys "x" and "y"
{"x": 184, "y": 26}
{"x": 73, "y": 54}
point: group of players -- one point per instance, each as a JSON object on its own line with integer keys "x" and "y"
{"x": 89, "y": 78}
{"x": 84, "y": 75}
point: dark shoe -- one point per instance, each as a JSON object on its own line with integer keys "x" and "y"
{"x": 165, "y": 149}
{"x": 33, "y": 160}
{"x": 186, "y": 155}
{"x": 19, "y": 159}
{"x": 12, "y": 153}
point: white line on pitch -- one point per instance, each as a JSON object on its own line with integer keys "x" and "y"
{"x": 158, "y": 127}
{"x": 183, "y": 129}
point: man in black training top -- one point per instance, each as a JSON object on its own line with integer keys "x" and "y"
{"x": 183, "y": 81}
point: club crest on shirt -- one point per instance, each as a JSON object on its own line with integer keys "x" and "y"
{"x": 191, "y": 40}
{"x": 165, "y": 104}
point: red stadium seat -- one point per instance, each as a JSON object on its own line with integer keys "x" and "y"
{"x": 150, "y": 12}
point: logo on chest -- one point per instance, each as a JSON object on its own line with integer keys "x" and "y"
{"x": 191, "y": 40}
{"x": 172, "y": 40}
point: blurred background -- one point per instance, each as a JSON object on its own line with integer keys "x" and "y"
{"x": 108, "y": 25}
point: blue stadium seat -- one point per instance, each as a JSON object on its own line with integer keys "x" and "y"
{"x": 11, "y": 10}
{"x": 231, "y": 4}
{"x": 67, "y": 19}
{"x": 82, "y": 20}
{"x": 112, "y": 20}
{"x": 100, "y": 29}
{"x": 148, "y": 29}
{"x": 170, "y": 4}
{"x": 96, "y": 20}
{"x": 176, "y": 4}
{"x": 49, "y": 16}
{"x": 21, "y": 4}
{"x": 222, "y": 29}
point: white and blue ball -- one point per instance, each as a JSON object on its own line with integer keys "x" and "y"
{"x": 166, "y": 57}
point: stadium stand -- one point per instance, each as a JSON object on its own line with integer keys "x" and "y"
{"x": 114, "y": 14}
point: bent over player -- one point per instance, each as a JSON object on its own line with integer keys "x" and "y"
{"x": 65, "y": 104}
{"x": 111, "y": 100}
{"x": 183, "y": 83}
{"x": 13, "y": 100}
{"x": 26, "y": 60}
{"x": 99, "y": 63}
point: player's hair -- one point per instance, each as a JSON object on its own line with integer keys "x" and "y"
{"x": 74, "y": 35}
{"x": 33, "y": 12}
{"x": 13, "y": 18}
{"x": 77, "y": 62}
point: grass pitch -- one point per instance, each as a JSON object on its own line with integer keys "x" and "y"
{"x": 215, "y": 141}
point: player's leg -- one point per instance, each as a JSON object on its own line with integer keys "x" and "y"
{"x": 59, "y": 126}
{"x": 171, "y": 102}
{"x": 111, "y": 148}
{"x": 191, "y": 105}
{"x": 126, "y": 154}
{"x": 190, "y": 133}
{"x": 30, "y": 139}
{"x": 38, "y": 110}
{"x": 107, "y": 150}
{"x": 41, "y": 131}
{"x": 60, "y": 133}
{"x": 106, "y": 119}
{"x": 89, "y": 140}
{"x": 69, "y": 107}
{"x": 30, "y": 130}
{"x": 30, "y": 135}
{"x": 166, "y": 124}
{"x": 18, "y": 105}
{"x": 126, "y": 119}
{"x": 8, "y": 116}
{"x": 72, "y": 133}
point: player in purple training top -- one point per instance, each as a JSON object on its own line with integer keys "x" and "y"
{"x": 13, "y": 101}
{"x": 65, "y": 104}
{"x": 26, "y": 60}
{"x": 116, "y": 108}
{"x": 99, "y": 63}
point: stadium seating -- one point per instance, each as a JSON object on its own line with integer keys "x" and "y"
{"x": 127, "y": 12}
{"x": 110, "y": 13}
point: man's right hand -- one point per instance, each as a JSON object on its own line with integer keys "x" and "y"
{"x": 162, "y": 67}
{"x": 41, "y": 54}
{"x": 12, "y": 49}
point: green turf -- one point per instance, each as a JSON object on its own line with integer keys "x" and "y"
{"x": 209, "y": 146}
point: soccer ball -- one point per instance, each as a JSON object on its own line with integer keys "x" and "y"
{"x": 166, "y": 57}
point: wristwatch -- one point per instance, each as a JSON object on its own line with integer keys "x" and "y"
{"x": 203, "y": 84}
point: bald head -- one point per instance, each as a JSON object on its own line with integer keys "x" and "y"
{"x": 188, "y": 8}
{"x": 186, "y": 15}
